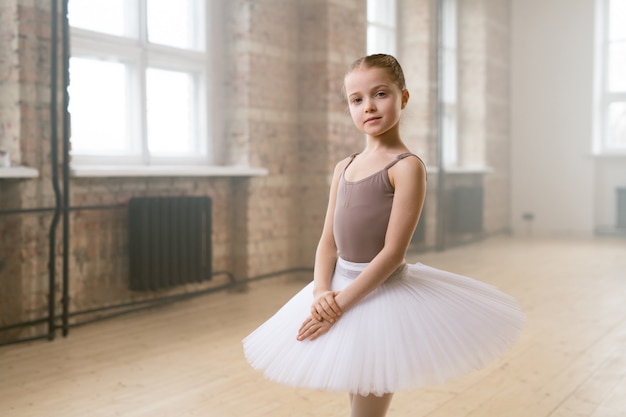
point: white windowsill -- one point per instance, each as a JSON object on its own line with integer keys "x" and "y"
{"x": 110, "y": 171}
{"x": 609, "y": 155}
{"x": 18, "y": 172}
{"x": 463, "y": 170}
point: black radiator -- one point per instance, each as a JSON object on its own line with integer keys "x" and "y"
{"x": 169, "y": 241}
{"x": 621, "y": 207}
{"x": 466, "y": 210}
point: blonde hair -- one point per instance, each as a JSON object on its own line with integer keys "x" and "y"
{"x": 383, "y": 61}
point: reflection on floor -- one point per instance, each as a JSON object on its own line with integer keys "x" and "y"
{"x": 186, "y": 360}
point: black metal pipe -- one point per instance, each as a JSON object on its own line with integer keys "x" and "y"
{"x": 153, "y": 303}
{"x": 233, "y": 283}
{"x": 55, "y": 176}
{"x": 25, "y": 211}
{"x": 275, "y": 274}
{"x": 149, "y": 303}
{"x": 98, "y": 207}
{"x": 66, "y": 166}
{"x": 51, "y": 209}
{"x": 440, "y": 234}
{"x": 34, "y": 322}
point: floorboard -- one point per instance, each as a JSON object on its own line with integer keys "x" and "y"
{"x": 185, "y": 359}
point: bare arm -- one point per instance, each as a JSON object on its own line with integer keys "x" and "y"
{"x": 324, "y": 310}
{"x": 325, "y": 306}
{"x": 408, "y": 177}
{"x": 409, "y": 181}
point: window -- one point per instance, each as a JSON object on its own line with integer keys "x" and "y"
{"x": 612, "y": 113}
{"x": 381, "y": 27}
{"x": 138, "y": 81}
{"x": 448, "y": 82}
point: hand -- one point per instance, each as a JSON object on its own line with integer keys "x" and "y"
{"x": 325, "y": 307}
{"x": 312, "y": 328}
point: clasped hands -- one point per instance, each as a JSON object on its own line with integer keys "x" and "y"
{"x": 324, "y": 313}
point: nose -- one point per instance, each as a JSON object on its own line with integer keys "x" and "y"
{"x": 370, "y": 106}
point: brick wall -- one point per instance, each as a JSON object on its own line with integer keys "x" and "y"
{"x": 25, "y": 133}
{"x": 283, "y": 64}
{"x": 484, "y": 102}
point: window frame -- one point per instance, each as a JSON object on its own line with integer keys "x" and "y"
{"x": 140, "y": 55}
{"x": 449, "y": 83}
{"x": 604, "y": 98}
{"x": 377, "y": 25}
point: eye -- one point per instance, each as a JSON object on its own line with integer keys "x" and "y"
{"x": 380, "y": 94}
{"x": 357, "y": 100}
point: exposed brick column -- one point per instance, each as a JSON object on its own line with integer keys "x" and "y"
{"x": 326, "y": 133}
{"x": 25, "y": 133}
{"x": 11, "y": 285}
{"x": 417, "y": 52}
{"x": 239, "y": 251}
{"x": 484, "y": 101}
{"x": 9, "y": 80}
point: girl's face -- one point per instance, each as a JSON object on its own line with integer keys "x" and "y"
{"x": 375, "y": 100}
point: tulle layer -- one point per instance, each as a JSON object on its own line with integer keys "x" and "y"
{"x": 422, "y": 326}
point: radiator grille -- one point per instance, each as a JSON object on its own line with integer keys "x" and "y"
{"x": 169, "y": 241}
{"x": 466, "y": 210}
{"x": 621, "y": 207}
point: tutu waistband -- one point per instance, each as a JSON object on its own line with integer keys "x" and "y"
{"x": 423, "y": 325}
{"x": 351, "y": 270}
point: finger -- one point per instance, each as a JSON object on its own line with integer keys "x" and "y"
{"x": 325, "y": 311}
{"x": 300, "y": 331}
{"x": 306, "y": 329}
{"x": 305, "y": 324}
{"x": 319, "y": 331}
{"x": 333, "y": 306}
{"x": 321, "y": 311}
{"x": 310, "y": 333}
{"x": 326, "y": 316}
{"x": 331, "y": 311}
{"x": 315, "y": 313}
{"x": 306, "y": 333}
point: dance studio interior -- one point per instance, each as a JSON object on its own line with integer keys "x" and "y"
{"x": 164, "y": 178}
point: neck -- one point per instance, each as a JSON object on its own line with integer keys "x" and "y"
{"x": 388, "y": 140}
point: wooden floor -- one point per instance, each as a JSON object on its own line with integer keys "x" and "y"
{"x": 186, "y": 359}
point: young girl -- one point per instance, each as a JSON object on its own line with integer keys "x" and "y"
{"x": 369, "y": 323}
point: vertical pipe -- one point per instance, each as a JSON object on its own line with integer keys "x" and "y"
{"x": 66, "y": 167}
{"x": 55, "y": 177}
{"x": 440, "y": 243}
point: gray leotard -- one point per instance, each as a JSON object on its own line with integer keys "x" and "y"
{"x": 362, "y": 213}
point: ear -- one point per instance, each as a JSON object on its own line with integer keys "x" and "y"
{"x": 405, "y": 98}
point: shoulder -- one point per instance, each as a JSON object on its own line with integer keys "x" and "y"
{"x": 409, "y": 169}
{"x": 410, "y": 163}
{"x": 341, "y": 165}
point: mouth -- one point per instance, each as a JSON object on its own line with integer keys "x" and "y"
{"x": 371, "y": 119}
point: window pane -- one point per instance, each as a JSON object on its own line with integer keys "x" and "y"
{"x": 449, "y": 133}
{"x": 108, "y": 16}
{"x": 98, "y": 106}
{"x": 617, "y": 126}
{"x": 449, "y": 24}
{"x": 449, "y": 82}
{"x": 380, "y": 41}
{"x": 170, "y": 112}
{"x": 173, "y": 23}
{"x": 382, "y": 12}
{"x": 617, "y": 66}
{"x": 617, "y": 20}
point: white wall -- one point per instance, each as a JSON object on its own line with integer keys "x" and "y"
{"x": 552, "y": 61}
{"x": 610, "y": 174}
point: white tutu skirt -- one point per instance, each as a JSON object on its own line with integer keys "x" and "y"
{"x": 421, "y": 326}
